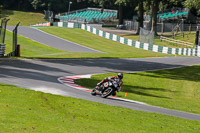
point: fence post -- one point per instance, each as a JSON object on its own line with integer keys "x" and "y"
{"x": 18, "y": 50}
{"x": 162, "y": 27}
{"x": 173, "y": 35}
{"x": 183, "y": 27}
{"x": 1, "y": 27}
{"x": 197, "y": 37}
{"x": 15, "y": 47}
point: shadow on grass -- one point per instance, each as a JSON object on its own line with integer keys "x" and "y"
{"x": 139, "y": 90}
{"x": 191, "y": 73}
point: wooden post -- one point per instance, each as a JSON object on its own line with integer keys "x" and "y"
{"x": 162, "y": 30}
{"x": 183, "y": 27}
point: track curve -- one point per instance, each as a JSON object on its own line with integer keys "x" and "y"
{"x": 51, "y": 40}
{"x": 42, "y": 75}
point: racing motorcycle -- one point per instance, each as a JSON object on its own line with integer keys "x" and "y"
{"x": 106, "y": 89}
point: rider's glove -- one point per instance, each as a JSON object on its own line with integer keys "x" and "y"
{"x": 98, "y": 84}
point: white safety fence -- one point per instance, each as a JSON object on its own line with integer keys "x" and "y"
{"x": 146, "y": 46}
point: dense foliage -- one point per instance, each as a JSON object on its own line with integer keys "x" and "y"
{"x": 127, "y": 8}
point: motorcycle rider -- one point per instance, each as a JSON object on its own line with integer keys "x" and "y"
{"x": 117, "y": 78}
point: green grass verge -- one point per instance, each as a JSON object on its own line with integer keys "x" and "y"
{"x": 28, "y": 111}
{"x": 25, "y": 18}
{"x": 32, "y": 49}
{"x": 111, "y": 48}
{"x": 177, "y": 89}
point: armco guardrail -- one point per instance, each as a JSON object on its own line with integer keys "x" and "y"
{"x": 2, "y": 49}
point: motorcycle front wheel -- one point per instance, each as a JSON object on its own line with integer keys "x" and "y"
{"x": 107, "y": 92}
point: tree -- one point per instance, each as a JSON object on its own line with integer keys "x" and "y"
{"x": 154, "y": 15}
{"x": 54, "y": 5}
{"x": 193, "y": 4}
{"x": 141, "y": 15}
{"x": 1, "y": 11}
{"x": 152, "y": 7}
{"x": 138, "y": 5}
{"x": 121, "y": 4}
{"x": 21, "y": 5}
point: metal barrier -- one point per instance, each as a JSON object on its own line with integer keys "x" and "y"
{"x": 15, "y": 46}
{"x": 2, "y": 49}
{"x": 3, "y": 30}
{"x": 2, "y": 36}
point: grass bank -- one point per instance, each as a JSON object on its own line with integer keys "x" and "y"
{"x": 177, "y": 89}
{"x": 111, "y": 48}
{"x": 32, "y": 49}
{"x": 28, "y": 111}
{"x": 25, "y": 18}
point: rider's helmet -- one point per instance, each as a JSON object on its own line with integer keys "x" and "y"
{"x": 120, "y": 75}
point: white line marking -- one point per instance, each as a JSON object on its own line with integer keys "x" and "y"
{"x": 54, "y": 91}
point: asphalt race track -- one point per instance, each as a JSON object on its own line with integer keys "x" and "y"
{"x": 50, "y": 40}
{"x": 42, "y": 75}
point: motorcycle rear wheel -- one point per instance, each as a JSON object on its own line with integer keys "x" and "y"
{"x": 93, "y": 92}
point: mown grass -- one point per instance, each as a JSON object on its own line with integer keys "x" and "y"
{"x": 32, "y": 49}
{"x": 25, "y": 18}
{"x": 111, "y": 48}
{"x": 177, "y": 89}
{"x": 28, "y": 111}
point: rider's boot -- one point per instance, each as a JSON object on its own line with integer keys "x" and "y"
{"x": 114, "y": 93}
